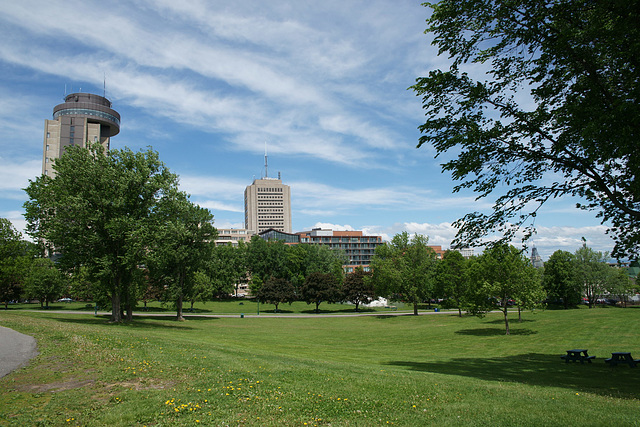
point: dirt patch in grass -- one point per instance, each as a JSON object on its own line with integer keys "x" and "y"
{"x": 143, "y": 384}
{"x": 75, "y": 383}
{"x": 55, "y": 387}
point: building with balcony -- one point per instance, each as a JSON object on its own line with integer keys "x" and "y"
{"x": 358, "y": 248}
{"x": 233, "y": 236}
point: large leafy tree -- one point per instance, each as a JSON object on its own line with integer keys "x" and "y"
{"x": 560, "y": 280}
{"x": 556, "y": 113}
{"x": 98, "y": 212}
{"x": 44, "y": 281}
{"x": 357, "y": 288}
{"x": 320, "y": 287}
{"x": 404, "y": 269}
{"x": 228, "y": 268}
{"x": 304, "y": 259}
{"x": 266, "y": 259}
{"x": 592, "y": 273}
{"x": 620, "y": 285}
{"x": 15, "y": 259}
{"x": 276, "y": 291}
{"x": 451, "y": 280}
{"x": 184, "y": 237}
{"x": 502, "y": 276}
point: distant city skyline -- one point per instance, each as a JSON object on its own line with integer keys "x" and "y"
{"x": 207, "y": 84}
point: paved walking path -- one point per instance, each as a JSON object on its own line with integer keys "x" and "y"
{"x": 16, "y": 350}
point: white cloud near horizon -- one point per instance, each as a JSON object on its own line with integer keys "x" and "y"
{"x": 547, "y": 239}
{"x": 14, "y": 176}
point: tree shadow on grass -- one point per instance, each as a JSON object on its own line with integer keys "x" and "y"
{"x": 393, "y": 316}
{"x": 274, "y": 311}
{"x": 352, "y": 310}
{"x": 491, "y": 332}
{"x": 512, "y": 321}
{"x": 138, "y": 322}
{"x": 539, "y": 370}
{"x": 320, "y": 311}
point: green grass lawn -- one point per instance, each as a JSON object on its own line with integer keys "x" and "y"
{"x": 338, "y": 371}
{"x": 239, "y": 306}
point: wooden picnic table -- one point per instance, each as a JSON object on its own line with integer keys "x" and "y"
{"x": 621, "y": 357}
{"x": 577, "y": 355}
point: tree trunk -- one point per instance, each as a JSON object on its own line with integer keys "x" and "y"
{"x": 180, "y": 298}
{"x": 415, "y": 309}
{"x": 519, "y": 315}
{"x": 317, "y": 307}
{"x": 459, "y": 312}
{"x": 116, "y": 315}
{"x": 179, "y": 308}
{"x": 506, "y": 321}
{"x": 129, "y": 311}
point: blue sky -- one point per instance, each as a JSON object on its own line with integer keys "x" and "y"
{"x": 208, "y": 83}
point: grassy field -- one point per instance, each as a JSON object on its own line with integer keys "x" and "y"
{"x": 338, "y": 371}
{"x": 240, "y": 306}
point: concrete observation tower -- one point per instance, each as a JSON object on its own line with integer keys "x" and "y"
{"x": 82, "y": 118}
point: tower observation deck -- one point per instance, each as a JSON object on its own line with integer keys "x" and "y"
{"x": 95, "y": 108}
{"x": 82, "y": 118}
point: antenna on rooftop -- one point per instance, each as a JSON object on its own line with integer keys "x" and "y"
{"x": 104, "y": 85}
{"x": 266, "y": 167}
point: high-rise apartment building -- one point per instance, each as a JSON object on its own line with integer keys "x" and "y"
{"x": 358, "y": 247}
{"x": 82, "y": 118}
{"x": 267, "y": 204}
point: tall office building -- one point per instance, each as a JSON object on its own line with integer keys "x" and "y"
{"x": 267, "y": 204}
{"x": 81, "y": 118}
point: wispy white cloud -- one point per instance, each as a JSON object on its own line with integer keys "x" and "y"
{"x": 296, "y": 66}
{"x": 15, "y": 176}
{"x": 313, "y": 195}
{"x": 324, "y": 83}
{"x": 17, "y": 220}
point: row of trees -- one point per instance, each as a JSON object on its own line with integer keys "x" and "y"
{"x": 406, "y": 268}
{"x": 569, "y": 278}
{"x": 22, "y": 272}
{"x": 117, "y": 222}
{"x": 125, "y": 233}
{"x": 180, "y": 267}
{"x": 122, "y": 232}
{"x": 502, "y": 277}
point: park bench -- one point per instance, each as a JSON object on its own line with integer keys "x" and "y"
{"x": 577, "y": 355}
{"x": 622, "y": 357}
